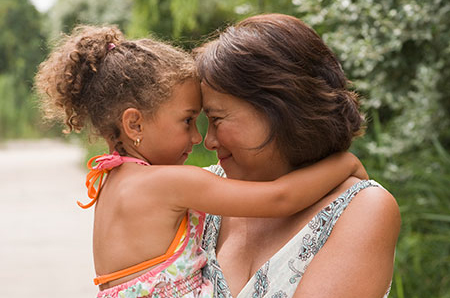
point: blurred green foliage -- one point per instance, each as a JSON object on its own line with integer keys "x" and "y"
{"x": 22, "y": 47}
{"x": 396, "y": 52}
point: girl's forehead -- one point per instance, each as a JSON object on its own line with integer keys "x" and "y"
{"x": 186, "y": 96}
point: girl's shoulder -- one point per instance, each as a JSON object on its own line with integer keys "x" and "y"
{"x": 138, "y": 188}
{"x": 167, "y": 183}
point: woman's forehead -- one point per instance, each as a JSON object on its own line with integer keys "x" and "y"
{"x": 215, "y": 101}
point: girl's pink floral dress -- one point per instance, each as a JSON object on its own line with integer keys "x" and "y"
{"x": 179, "y": 276}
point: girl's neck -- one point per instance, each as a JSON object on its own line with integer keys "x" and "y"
{"x": 130, "y": 151}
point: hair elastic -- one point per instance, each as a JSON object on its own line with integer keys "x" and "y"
{"x": 111, "y": 46}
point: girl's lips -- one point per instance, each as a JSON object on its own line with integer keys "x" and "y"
{"x": 185, "y": 155}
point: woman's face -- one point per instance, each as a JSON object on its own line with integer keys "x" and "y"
{"x": 236, "y": 129}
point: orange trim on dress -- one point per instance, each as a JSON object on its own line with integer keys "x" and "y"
{"x": 147, "y": 264}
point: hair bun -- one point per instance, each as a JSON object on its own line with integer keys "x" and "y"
{"x": 66, "y": 73}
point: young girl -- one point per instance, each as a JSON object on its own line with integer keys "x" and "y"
{"x": 143, "y": 97}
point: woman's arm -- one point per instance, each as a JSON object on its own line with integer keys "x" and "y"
{"x": 357, "y": 260}
{"x": 192, "y": 187}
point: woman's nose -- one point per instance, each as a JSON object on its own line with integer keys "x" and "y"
{"x": 211, "y": 142}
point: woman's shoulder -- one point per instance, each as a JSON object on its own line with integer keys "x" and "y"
{"x": 363, "y": 238}
{"x": 370, "y": 206}
{"x": 370, "y": 196}
{"x": 368, "y": 193}
{"x": 354, "y": 203}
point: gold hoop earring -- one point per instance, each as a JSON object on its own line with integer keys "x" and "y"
{"x": 137, "y": 142}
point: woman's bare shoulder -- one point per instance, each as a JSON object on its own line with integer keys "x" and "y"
{"x": 372, "y": 205}
{"x": 363, "y": 238}
{"x": 374, "y": 201}
{"x": 373, "y": 195}
{"x": 372, "y": 222}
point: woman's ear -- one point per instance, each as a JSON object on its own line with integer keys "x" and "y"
{"x": 132, "y": 122}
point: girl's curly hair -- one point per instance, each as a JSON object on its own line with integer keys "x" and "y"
{"x": 94, "y": 74}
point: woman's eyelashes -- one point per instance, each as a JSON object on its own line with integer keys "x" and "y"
{"x": 214, "y": 120}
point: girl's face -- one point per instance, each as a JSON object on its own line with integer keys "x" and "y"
{"x": 235, "y": 130}
{"x": 171, "y": 133}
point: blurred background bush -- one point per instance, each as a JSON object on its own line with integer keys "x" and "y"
{"x": 396, "y": 52}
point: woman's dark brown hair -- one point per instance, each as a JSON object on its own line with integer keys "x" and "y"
{"x": 94, "y": 74}
{"x": 284, "y": 69}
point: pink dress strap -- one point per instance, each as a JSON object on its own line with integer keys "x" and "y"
{"x": 105, "y": 163}
{"x": 110, "y": 161}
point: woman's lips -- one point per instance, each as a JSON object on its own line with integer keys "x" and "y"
{"x": 224, "y": 158}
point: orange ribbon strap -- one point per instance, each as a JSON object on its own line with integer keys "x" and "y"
{"x": 91, "y": 178}
{"x": 147, "y": 264}
{"x": 105, "y": 163}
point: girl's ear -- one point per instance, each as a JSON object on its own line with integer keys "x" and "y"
{"x": 132, "y": 121}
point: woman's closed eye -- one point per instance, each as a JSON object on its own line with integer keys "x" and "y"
{"x": 214, "y": 120}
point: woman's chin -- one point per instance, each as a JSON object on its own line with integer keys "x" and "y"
{"x": 232, "y": 173}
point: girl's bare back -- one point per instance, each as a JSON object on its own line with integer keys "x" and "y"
{"x": 132, "y": 225}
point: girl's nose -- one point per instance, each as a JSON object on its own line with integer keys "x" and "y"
{"x": 196, "y": 136}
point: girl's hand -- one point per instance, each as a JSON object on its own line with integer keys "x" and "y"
{"x": 359, "y": 170}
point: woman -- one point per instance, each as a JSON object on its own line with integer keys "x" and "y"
{"x": 276, "y": 100}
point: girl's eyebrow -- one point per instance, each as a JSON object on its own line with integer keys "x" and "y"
{"x": 192, "y": 111}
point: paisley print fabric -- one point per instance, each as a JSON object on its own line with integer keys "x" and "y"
{"x": 279, "y": 276}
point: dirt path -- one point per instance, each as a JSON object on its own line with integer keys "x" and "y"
{"x": 45, "y": 238}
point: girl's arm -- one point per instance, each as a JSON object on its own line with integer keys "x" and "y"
{"x": 195, "y": 188}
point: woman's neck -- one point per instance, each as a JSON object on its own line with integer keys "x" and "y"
{"x": 275, "y": 172}
{"x": 270, "y": 171}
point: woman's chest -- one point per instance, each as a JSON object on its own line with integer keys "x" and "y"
{"x": 245, "y": 245}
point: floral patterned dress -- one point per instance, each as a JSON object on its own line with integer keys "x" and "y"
{"x": 280, "y": 275}
{"x": 179, "y": 276}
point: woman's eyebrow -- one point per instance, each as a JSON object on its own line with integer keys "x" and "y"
{"x": 208, "y": 110}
